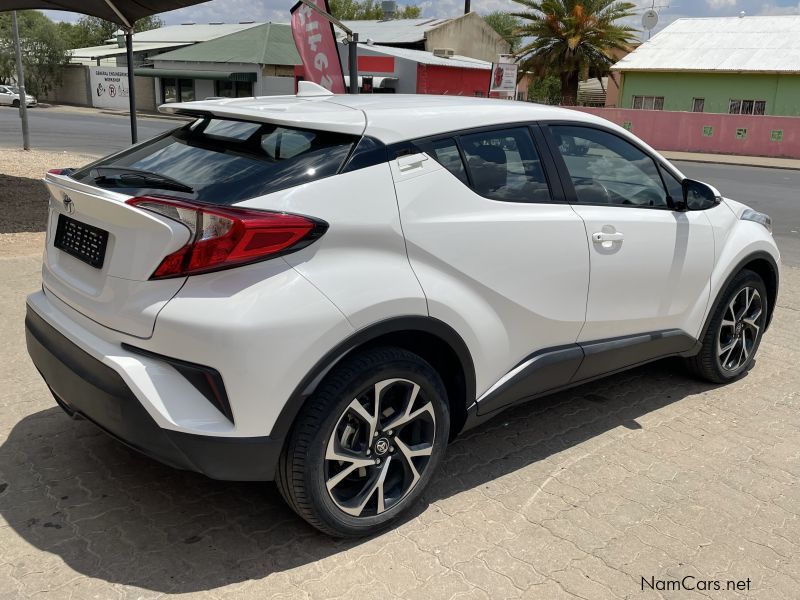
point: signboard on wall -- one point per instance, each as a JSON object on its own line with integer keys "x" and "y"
{"x": 109, "y": 87}
{"x": 504, "y": 78}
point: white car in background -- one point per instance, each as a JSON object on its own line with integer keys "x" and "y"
{"x": 9, "y": 96}
{"x": 324, "y": 290}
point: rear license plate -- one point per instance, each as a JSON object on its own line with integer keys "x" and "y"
{"x": 84, "y": 242}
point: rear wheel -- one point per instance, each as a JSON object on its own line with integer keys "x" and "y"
{"x": 15, "y": 103}
{"x": 366, "y": 444}
{"x": 734, "y": 332}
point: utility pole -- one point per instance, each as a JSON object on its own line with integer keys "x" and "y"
{"x": 23, "y": 103}
{"x": 467, "y": 7}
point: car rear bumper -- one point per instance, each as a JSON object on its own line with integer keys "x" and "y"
{"x": 83, "y": 385}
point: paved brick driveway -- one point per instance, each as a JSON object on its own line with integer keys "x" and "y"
{"x": 646, "y": 474}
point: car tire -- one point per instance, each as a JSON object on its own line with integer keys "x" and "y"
{"x": 390, "y": 451}
{"x": 734, "y": 331}
{"x": 15, "y": 103}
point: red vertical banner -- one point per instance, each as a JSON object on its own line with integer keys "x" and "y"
{"x": 316, "y": 44}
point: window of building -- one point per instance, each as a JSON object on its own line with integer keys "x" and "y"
{"x": 605, "y": 169}
{"x": 504, "y": 165}
{"x": 234, "y": 89}
{"x": 698, "y": 105}
{"x": 747, "y": 107}
{"x": 177, "y": 90}
{"x": 648, "y": 102}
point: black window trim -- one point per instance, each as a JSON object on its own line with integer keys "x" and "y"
{"x": 554, "y": 185}
{"x": 566, "y": 178}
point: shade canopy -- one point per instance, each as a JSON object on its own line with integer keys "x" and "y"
{"x": 122, "y": 12}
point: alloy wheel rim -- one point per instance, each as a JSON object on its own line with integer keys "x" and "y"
{"x": 380, "y": 447}
{"x": 739, "y": 330}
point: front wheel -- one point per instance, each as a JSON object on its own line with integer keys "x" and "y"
{"x": 734, "y": 332}
{"x": 15, "y": 103}
{"x": 366, "y": 444}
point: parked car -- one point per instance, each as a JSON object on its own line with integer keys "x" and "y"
{"x": 9, "y": 95}
{"x": 325, "y": 290}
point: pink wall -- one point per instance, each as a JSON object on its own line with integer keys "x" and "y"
{"x": 683, "y": 131}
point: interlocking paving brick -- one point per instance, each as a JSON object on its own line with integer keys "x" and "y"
{"x": 647, "y": 474}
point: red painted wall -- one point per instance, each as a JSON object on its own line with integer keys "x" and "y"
{"x": 683, "y": 131}
{"x": 375, "y": 64}
{"x": 452, "y": 81}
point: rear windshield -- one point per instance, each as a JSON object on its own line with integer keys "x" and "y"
{"x": 224, "y": 161}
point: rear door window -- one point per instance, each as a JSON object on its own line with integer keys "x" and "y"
{"x": 504, "y": 165}
{"x": 446, "y": 153}
{"x": 226, "y": 161}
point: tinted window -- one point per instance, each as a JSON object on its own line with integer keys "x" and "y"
{"x": 504, "y": 165}
{"x": 605, "y": 169}
{"x": 446, "y": 153}
{"x": 228, "y": 161}
{"x": 674, "y": 187}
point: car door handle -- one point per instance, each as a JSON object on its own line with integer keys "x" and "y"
{"x": 410, "y": 162}
{"x": 600, "y": 237}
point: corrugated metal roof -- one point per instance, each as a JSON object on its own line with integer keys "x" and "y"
{"x": 198, "y": 32}
{"x": 267, "y": 44}
{"x": 395, "y": 31}
{"x": 429, "y": 58}
{"x": 728, "y": 44}
{"x": 108, "y": 50}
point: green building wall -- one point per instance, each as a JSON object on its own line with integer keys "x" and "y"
{"x": 781, "y": 91}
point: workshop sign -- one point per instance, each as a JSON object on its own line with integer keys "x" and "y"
{"x": 109, "y": 87}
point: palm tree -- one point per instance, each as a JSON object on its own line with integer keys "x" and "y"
{"x": 573, "y": 38}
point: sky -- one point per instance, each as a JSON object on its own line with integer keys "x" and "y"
{"x": 233, "y": 11}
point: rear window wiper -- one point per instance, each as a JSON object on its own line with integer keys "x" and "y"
{"x": 130, "y": 177}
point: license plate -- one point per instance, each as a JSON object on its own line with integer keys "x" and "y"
{"x": 84, "y": 242}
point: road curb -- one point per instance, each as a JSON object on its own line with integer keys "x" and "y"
{"x": 714, "y": 160}
{"x": 146, "y": 115}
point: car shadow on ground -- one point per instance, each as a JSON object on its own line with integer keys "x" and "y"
{"x": 109, "y": 513}
{"x": 24, "y": 203}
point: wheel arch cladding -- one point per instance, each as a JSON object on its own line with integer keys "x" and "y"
{"x": 767, "y": 269}
{"x": 761, "y": 263}
{"x": 431, "y": 339}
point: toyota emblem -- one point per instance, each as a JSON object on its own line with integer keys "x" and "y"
{"x": 69, "y": 205}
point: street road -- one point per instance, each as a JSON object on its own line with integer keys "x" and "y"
{"x": 773, "y": 191}
{"x": 81, "y": 130}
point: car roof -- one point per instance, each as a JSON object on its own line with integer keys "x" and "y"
{"x": 388, "y": 117}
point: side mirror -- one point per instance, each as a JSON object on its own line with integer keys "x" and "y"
{"x": 699, "y": 196}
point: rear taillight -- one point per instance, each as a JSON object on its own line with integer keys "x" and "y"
{"x": 225, "y": 237}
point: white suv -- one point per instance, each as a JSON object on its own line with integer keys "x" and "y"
{"x": 323, "y": 290}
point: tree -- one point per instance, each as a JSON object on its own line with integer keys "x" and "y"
{"x": 362, "y": 10}
{"x": 506, "y": 25}
{"x": 573, "y": 39}
{"x": 546, "y": 90}
{"x": 44, "y": 52}
{"x": 93, "y": 31}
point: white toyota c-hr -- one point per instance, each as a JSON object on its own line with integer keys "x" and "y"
{"x": 324, "y": 290}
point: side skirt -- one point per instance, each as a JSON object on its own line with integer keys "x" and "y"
{"x": 555, "y": 369}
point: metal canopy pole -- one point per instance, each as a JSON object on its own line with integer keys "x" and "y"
{"x": 352, "y": 40}
{"x": 23, "y": 100}
{"x": 131, "y": 85}
{"x": 353, "y": 56}
{"x": 131, "y": 77}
